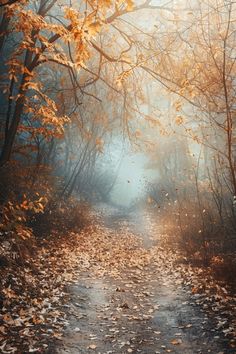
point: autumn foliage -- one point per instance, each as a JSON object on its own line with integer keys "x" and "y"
{"x": 75, "y": 76}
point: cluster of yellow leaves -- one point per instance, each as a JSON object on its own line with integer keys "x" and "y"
{"x": 31, "y": 25}
{"x": 99, "y": 144}
{"x": 178, "y": 105}
{"x": 15, "y": 216}
{"x": 130, "y": 5}
{"x": 179, "y": 120}
{"x": 28, "y": 20}
{"x": 37, "y": 32}
{"x": 54, "y": 123}
{"x": 43, "y": 111}
{"x": 84, "y": 28}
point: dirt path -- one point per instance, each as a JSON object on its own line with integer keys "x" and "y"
{"x": 141, "y": 309}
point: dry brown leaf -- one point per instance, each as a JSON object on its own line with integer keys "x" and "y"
{"x": 176, "y": 341}
{"x": 92, "y": 346}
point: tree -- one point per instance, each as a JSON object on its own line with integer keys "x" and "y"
{"x": 69, "y": 42}
{"x": 204, "y": 78}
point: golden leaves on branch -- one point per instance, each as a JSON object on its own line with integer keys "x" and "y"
{"x": 84, "y": 28}
{"x": 122, "y": 77}
{"x": 178, "y": 105}
{"x": 49, "y": 122}
{"x": 179, "y": 120}
{"x": 45, "y": 41}
{"x": 28, "y": 21}
{"x": 130, "y": 5}
{"x": 99, "y": 144}
{"x": 54, "y": 122}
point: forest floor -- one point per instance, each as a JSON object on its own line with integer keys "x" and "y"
{"x": 136, "y": 297}
{"x": 114, "y": 288}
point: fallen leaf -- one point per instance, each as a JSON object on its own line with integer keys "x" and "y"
{"x": 176, "y": 341}
{"x": 92, "y": 346}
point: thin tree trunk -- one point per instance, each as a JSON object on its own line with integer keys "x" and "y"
{"x": 13, "y": 126}
{"x": 3, "y": 28}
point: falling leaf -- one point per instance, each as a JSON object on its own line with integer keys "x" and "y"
{"x": 189, "y": 325}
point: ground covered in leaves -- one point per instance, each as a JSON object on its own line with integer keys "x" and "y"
{"x": 114, "y": 288}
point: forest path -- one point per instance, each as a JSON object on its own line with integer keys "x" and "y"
{"x": 135, "y": 302}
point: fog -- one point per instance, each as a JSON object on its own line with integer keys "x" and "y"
{"x": 132, "y": 178}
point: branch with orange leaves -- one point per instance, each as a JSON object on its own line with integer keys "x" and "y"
{"x": 10, "y": 2}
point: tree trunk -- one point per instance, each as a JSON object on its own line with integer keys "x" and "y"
{"x": 3, "y": 28}
{"x": 8, "y": 144}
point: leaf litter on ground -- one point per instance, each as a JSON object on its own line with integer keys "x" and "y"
{"x": 34, "y": 295}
